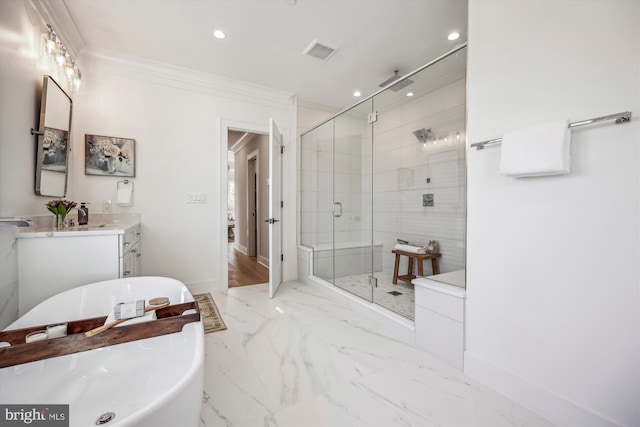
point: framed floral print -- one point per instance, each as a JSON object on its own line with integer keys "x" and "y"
{"x": 108, "y": 155}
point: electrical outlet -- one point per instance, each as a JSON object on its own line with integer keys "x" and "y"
{"x": 106, "y": 206}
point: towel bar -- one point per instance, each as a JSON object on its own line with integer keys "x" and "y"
{"x": 623, "y": 117}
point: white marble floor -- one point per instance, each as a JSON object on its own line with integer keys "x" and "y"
{"x": 305, "y": 358}
{"x": 402, "y": 303}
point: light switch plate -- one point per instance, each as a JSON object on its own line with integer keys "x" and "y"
{"x": 196, "y": 197}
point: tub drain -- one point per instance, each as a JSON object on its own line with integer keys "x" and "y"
{"x": 105, "y": 418}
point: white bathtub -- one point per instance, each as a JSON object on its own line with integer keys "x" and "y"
{"x": 150, "y": 382}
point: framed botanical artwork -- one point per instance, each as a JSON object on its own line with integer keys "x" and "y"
{"x": 108, "y": 155}
{"x": 54, "y": 149}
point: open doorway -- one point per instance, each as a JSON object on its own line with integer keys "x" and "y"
{"x": 247, "y": 203}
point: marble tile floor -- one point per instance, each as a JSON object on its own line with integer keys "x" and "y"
{"x": 305, "y": 358}
{"x": 403, "y": 304}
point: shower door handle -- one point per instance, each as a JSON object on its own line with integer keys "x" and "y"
{"x": 337, "y": 214}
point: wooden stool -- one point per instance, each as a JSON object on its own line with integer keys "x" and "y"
{"x": 418, "y": 257}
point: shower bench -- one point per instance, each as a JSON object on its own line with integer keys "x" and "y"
{"x": 419, "y": 258}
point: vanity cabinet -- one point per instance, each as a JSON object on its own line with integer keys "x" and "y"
{"x": 53, "y": 262}
{"x": 130, "y": 252}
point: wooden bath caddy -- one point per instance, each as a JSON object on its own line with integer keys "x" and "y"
{"x": 169, "y": 320}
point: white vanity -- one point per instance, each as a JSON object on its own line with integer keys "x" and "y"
{"x": 50, "y": 262}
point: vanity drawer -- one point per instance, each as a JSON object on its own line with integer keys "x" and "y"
{"x": 129, "y": 238}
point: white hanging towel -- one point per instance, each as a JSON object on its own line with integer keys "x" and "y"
{"x": 540, "y": 150}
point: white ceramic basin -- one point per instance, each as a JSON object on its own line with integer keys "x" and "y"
{"x": 150, "y": 382}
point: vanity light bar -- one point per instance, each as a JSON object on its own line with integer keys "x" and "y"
{"x": 56, "y": 51}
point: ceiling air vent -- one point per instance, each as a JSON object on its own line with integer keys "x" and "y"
{"x": 319, "y": 50}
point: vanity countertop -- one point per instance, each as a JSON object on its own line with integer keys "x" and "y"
{"x": 99, "y": 225}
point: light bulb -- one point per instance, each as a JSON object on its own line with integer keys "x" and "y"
{"x": 51, "y": 45}
{"x": 78, "y": 79}
{"x": 69, "y": 70}
{"x": 60, "y": 56}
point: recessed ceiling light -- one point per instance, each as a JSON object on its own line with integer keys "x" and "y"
{"x": 409, "y": 93}
{"x": 453, "y": 36}
{"x": 219, "y": 34}
{"x": 357, "y": 93}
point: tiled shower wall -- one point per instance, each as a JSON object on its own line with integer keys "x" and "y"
{"x": 405, "y": 169}
{"x": 401, "y": 166}
{"x": 317, "y": 188}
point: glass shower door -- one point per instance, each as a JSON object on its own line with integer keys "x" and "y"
{"x": 352, "y": 201}
{"x": 419, "y": 179}
{"x": 316, "y": 187}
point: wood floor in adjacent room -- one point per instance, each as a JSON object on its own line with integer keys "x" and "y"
{"x": 245, "y": 270}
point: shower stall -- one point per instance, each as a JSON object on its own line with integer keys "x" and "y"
{"x": 389, "y": 169}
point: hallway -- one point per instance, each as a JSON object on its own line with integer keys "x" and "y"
{"x": 245, "y": 270}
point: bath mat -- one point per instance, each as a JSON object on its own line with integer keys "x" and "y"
{"x": 211, "y": 319}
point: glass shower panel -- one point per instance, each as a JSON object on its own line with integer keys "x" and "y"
{"x": 419, "y": 179}
{"x": 353, "y": 249}
{"x": 316, "y": 206}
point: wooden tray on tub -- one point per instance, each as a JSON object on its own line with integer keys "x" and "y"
{"x": 169, "y": 320}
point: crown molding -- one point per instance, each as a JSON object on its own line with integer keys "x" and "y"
{"x": 102, "y": 62}
{"x": 242, "y": 142}
{"x": 311, "y": 105}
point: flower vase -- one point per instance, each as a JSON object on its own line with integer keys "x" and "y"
{"x": 59, "y": 222}
{"x": 111, "y": 165}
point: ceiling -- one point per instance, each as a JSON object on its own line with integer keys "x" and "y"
{"x": 266, "y": 38}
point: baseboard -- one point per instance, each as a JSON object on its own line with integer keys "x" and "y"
{"x": 204, "y": 286}
{"x": 264, "y": 261}
{"x": 543, "y": 402}
{"x": 240, "y": 248}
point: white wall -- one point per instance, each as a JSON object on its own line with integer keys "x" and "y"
{"x": 175, "y": 117}
{"x": 552, "y": 314}
{"x": 20, "y": 89}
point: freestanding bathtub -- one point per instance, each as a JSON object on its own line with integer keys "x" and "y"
{"x": 150, "y": 382}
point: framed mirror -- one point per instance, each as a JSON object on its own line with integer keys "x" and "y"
{"x": 53, "y": 140}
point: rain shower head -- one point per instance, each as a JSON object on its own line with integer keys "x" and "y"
{"x": 398, "y": 86}
{"x": 423, "y": 135}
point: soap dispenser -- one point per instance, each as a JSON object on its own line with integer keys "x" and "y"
{"x": 83, "y": 214}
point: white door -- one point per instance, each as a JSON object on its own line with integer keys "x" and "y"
{"x": 275, "y": 209}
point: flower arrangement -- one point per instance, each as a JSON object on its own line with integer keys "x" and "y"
{"x": 60, "y": 209}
